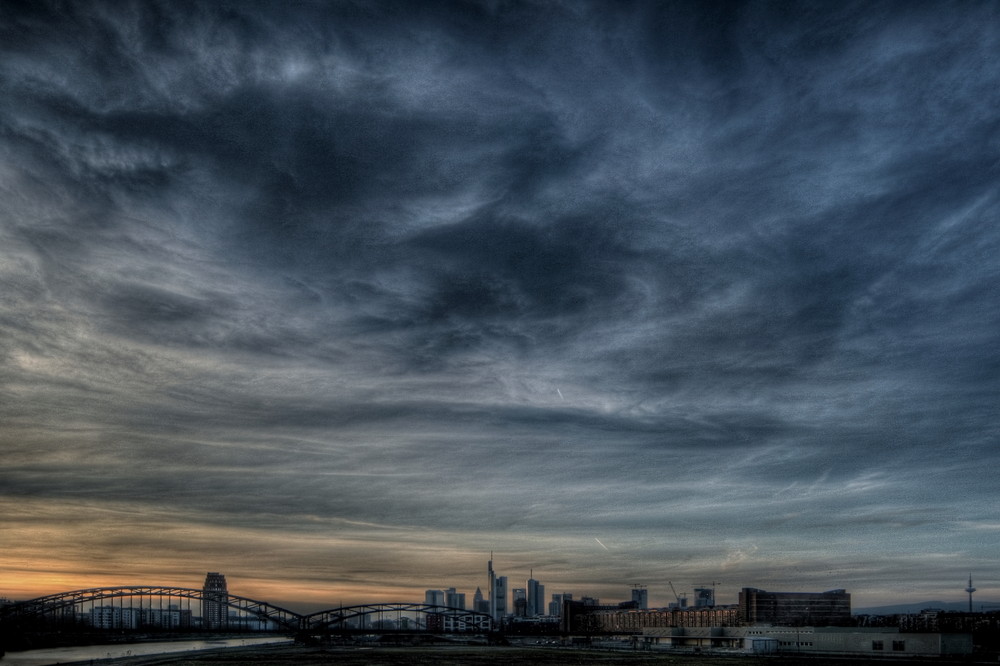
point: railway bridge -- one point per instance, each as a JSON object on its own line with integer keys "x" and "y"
{"x": 149, "y": 606}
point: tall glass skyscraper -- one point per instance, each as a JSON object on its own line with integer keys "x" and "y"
{"x": 500, "y": 598}
{"x": 536, "y": 598}
{"x": 498, "y": 593}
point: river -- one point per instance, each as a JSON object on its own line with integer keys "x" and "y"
{"x": 87, "y": 653}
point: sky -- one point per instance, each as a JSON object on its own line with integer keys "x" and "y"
{"x": 336, "y": 298}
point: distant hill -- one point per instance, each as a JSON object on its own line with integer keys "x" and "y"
{"x": 899, "y": 609}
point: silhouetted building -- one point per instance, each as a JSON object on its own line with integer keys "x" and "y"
{"x": 584, "y": 615}
{"x": 117, "y": 617}
{"x": 434, "y": 597}
{"x": 640, "y": 596}
{"x": 536, "y": 598}
{"x": 625, "y": 618}
{"x": 172, "y": 617}
{"x": 454, "y": 599}
{"x": 114, "y": 617}
{"x": 520, "y": 598}
{"x": 881, "y": 642}
{"x": 479, "y": 604}
{"x": 816, "y": 609}
{"x": 555, "y": 606}
{"x": 498, "y": 593}
{"x": 499, "y": 598}
{"x": 457, "y": 623}
{"x": 214, "y": 608}
{"x": 704, "y": 597}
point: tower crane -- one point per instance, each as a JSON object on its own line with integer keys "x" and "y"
{"x": 680, "y": 603}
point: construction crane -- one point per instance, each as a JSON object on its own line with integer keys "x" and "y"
{"x": 705, "y": 586}
{"x": 680, "y": 602}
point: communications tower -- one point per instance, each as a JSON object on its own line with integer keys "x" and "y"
{"x": 970, "y": 590}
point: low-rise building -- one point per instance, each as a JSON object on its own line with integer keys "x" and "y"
{"x": 615, "y": 619}
{"x": 832, "y": 641}
{"x": 116, "y": 617}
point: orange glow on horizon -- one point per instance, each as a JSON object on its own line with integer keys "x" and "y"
{"x": 22, "y": 585}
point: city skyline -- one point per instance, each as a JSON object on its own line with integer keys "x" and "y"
{"x": 637, "y": 597}
{"x": 339, "y": 298}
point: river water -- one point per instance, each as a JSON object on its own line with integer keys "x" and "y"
{"x": 86, "y": 653}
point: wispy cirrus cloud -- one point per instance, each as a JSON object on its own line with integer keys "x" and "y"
{"x": 711, "y": 285}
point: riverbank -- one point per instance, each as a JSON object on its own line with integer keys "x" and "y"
{"x": 299, "y": 655}
{"x": 116, "y": 653}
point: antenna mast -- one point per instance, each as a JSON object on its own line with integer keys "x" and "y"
{"x": 970, "y": 590}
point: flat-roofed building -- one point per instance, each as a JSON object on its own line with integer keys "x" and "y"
{"x": 816, "y": 609}
{"x": 812, "y": 641}
{"x": 615, "y": 619}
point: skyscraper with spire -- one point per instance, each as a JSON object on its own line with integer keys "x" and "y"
{"x": 491, "y": 587}
{"x": 479, "y": 604}
{"x": 498, "y": 592}
{"x": 536, "y": 596}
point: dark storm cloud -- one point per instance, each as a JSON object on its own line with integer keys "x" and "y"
{"x": 658, "y": 271}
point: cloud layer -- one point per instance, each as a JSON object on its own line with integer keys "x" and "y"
{"x": 372, "y": 290}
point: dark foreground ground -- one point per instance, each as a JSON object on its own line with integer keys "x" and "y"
{"x": 476, "y": 656}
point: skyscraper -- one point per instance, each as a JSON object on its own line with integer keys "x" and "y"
{"x": 640, "y": 595}
{"x": 492, "y": 589}
{"x": 214, "y": 608}
{"x": 479, "y": 604}
{"x": 555, "y": 606}
{"x": 500, "y": 598}
{"x": 536, "y": 597}
{"x": 454, "y": 599}
{"x": 520, "y": 598}
{"x": 498, "y": 592}
{"x": 434, "y": 598}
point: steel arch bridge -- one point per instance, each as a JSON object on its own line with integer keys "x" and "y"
{"x": 426, "y": 618}
{"x": 53, "y": 603}
{"x": 362, "y": 618}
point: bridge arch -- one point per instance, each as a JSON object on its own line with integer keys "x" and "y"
{"x": 54, "y": 603}
{"x": 426, "y": 617}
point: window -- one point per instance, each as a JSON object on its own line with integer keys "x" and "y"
{"x": 899, "y": 646}
{"x": 876, "y": 645}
